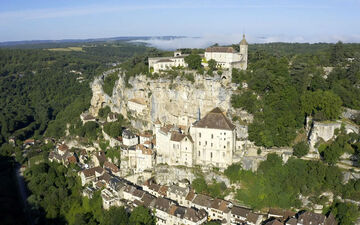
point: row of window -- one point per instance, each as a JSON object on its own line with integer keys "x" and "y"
{"x": 211, "y": 154}
{"x": 212, "y": 144}
{"x": 212, "y": 135}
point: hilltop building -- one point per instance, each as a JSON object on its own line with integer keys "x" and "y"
{"x": 226, "y": 58}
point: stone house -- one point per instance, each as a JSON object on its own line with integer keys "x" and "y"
{"x": 178, "y": 194}
{"x": 109, "y": 198}
{"x": 227, "y": 57}
{"x": 136, "y": 105}
{"x": 111, "y": 168}
{"x": 239, "y": 215}
{"x": 144, "y": 158}
{"x": 89, "y": 175}
{"x": 173, "y": 147}
{"x": 214, "y": 139}
{"x": 129, "y": 138}
{"x": 220, "y": 210}
{"x": 162, "y": 207}
{"x": 158, "y": 64}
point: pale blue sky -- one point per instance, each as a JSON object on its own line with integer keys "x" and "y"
{"x": 261, "y": 20}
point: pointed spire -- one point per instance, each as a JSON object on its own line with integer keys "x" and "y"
{"x": 243, "y": 41}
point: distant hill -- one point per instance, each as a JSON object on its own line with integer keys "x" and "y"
{"x": 42, "y": 43}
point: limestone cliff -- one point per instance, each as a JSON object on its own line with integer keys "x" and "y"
{"x": 177, "y": 101}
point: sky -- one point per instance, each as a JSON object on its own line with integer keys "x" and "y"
{"x": 221, "y": 21}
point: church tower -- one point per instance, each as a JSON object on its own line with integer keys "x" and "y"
{"x": 244, "y": 51}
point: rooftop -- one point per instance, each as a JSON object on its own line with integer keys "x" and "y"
{"x": 215, "y": 119}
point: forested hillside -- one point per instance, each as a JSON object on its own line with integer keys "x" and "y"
{"x": 38, "y": 86}
{"x": 286, "y": 83}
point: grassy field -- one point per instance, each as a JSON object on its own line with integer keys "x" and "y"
{"x": 67, "y": 49}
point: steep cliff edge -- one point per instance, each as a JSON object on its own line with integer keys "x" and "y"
{"x": 177, "y": 101}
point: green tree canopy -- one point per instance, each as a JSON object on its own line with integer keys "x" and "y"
{"x": 301, "y": 149}
{"x": 193, "y": 61}
{"x": 323, "y": 105}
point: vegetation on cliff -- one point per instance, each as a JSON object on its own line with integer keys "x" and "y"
{"x": 285, "y": 87}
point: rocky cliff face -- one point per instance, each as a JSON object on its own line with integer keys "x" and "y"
{"x": 172, "y": 101}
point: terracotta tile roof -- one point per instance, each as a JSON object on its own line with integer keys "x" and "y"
{"x": 221, "y": 205}
{"x": 63, "y": 147}
{"x": 153, "y": 141}
{"x": 274, "y": 222}
{"x": 105, "y": 177}
{"x": 162, "y": 204}
{"x": 145, "y": 150}
{"x": 72, "y": 159}
{"x": 203, "y": 200}
{"x": 215, "y": 119}
{"x": 292, "y": 221}
{"x": 253, "y": 217}
{"x": 147, "y": 142}
{"x": 221, "y": 49}
{"x": 91, "y": 171}
{"x": 195, "y": 215}
{"x": 148, "y": 200}
{"x": 308, "y": 218}
{"x": 111, "y": 166}
{"x": 176, "y": 136}
{"x": 239, "y": 211}
{"x": 101, "y": 157}
{"x": 190, "y": 195}
{"x": 163, "y": 190}
{"x": 172, "y": 209}
{"x": 145, "y": 135}
{"x": 138, "y": 101}
{"x": 166, "y": 128}
{"x": 100, "y": 184}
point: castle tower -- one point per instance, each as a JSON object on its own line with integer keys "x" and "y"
{"x": 244, "y": 51}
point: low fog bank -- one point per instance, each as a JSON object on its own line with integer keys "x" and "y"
{"x": 205, "y": 41}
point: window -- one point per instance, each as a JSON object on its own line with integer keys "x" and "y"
{"x": 199, "y": 135}
{"x": 205, "y": 142}
{"x": 223, "y": 154}
{"x": 199, "y": 143}
{"x": 224, "y": 146}
{"x": 199, "y": 153}
{"x": 210, "y": 154}
{"x": 212, "y": 136}
{"x": 211, "y": 144}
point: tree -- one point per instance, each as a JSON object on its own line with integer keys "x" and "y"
{"x": 212, "y": 64}
{"x": 322, "y": 105}
{"x": 300, "y": 149}
{"x": 141, "y": 216}
{"x": 193, "y": 61}
{"x": 337, "y": 53}
{"x": 115, "y": 216}
{"x": 199, "y": 184}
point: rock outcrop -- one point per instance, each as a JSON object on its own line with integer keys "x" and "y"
{"x": 177, "y": 101}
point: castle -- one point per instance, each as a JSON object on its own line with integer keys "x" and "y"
{"x": 226, "y": 58}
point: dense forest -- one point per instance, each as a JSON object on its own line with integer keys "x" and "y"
{"x": 43, "y": 90}
{"x": 283, "y": 90}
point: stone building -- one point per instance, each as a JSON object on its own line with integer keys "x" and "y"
{"x": 214, "y": 139}
{"x": 226, "y": 57}
{"x": 164, "y": 63}
{"x": 210, "y": 142}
